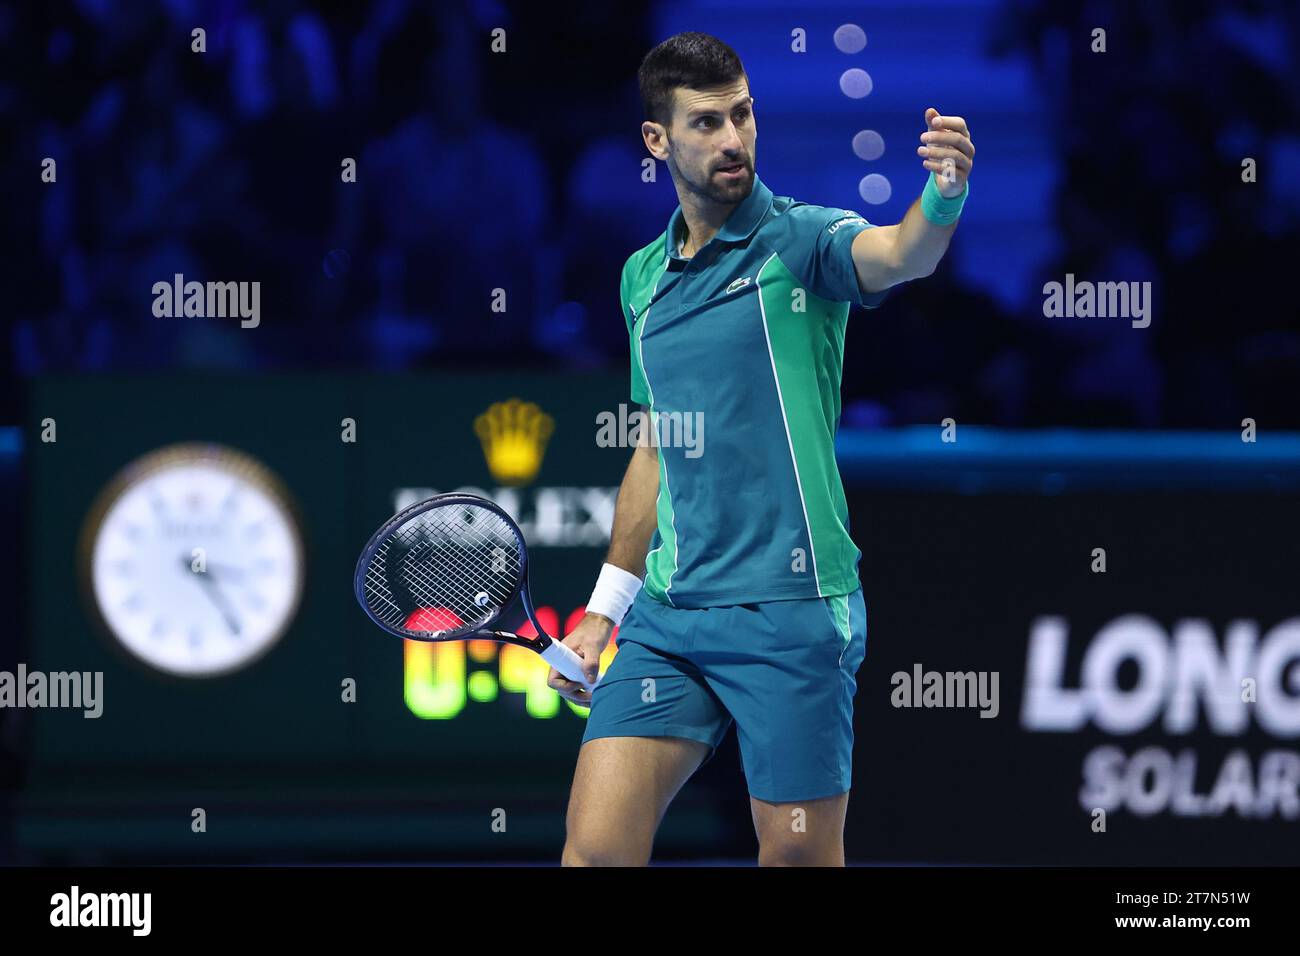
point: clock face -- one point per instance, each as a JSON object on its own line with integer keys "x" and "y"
{"x": 194, "y": 560}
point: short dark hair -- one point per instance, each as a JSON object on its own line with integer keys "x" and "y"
{"x": 693, "y": 60}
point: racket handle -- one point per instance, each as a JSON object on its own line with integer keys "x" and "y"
{"x": 567, "y": 662}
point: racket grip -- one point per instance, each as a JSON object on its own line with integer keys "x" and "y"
{"x": 567, "y": 662}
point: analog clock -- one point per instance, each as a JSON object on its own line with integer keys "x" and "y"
{"x": 193, "y": 560}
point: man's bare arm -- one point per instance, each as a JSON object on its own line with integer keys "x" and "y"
{"x": 634, "y": 514}
{"x": 887, "y": 255}
{"x": 634, "y": 523}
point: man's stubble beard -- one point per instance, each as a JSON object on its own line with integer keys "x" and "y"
{"x": 723, "y": 195}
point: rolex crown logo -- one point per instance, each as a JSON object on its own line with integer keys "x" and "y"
{"x": 514, "y": 434}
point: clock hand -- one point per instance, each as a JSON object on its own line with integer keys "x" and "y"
{"x": 215, "y": 595}
{"x": 227, "y": 570}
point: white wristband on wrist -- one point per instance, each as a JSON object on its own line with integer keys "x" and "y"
{"x": 614, "y": 593}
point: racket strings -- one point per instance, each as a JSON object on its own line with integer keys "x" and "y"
{"x": 462, "y": 560}
{"x": 421, "y": 579}
{"x": 464, "y": 566}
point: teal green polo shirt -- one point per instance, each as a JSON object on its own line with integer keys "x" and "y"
{"x": 746, "y": 341}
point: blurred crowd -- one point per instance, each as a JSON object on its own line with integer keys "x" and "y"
{"x": 478, "y": 172}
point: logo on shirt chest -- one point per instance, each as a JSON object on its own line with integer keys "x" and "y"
{"x": 738, "y": 284}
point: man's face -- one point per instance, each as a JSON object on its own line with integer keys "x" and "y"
{"x": 711, "y": 140}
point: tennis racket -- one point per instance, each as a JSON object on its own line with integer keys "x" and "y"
{"x": 447, "y": 569}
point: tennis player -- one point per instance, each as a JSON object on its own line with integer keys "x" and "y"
{"x": 751, "y": 610}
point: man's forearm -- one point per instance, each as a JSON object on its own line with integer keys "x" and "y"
{"x": 920, "y": 244}
{"x": 887, "y": 255}
{"x": 634, "y": 514}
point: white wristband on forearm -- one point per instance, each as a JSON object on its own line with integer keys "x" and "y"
{"x": 614, "y": 593}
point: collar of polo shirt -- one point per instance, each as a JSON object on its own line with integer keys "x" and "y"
{"x": 740, "y": 225}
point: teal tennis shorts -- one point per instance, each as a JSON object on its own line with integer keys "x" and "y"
{"x": 784, "y": 671}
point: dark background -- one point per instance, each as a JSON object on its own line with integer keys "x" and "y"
{"x": 522, "y": 171}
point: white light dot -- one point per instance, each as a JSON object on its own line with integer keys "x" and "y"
{"x": 855, "y": 83}
{"x": 850, "y": 38}
{"x": 875, "y": 189}
{"x": 868, "y": 144}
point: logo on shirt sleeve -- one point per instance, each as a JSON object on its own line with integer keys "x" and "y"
{"x": 848, "y": 219}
